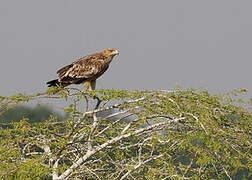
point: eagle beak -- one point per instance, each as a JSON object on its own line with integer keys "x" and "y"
{"x": 116, "y": 52}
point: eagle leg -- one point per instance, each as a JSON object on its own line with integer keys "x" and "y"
{"x": 93, "y": 84}
{"x": 89, "y": 85}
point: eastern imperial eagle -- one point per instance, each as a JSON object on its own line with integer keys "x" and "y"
{"x": 85, "y": 70}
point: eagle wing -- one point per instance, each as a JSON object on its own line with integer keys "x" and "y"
{"x": 86, "y": 68}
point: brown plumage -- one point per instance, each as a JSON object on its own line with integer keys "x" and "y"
{"x": 85, "y": 70}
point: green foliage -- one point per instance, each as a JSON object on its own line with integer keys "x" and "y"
{"x": 175, "y": 134}
{"x": 33, "y": 114}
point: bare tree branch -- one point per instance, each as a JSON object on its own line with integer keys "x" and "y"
{"x": 89, "y": 153}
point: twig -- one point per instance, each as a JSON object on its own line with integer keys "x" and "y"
{"x": 95, "y": 123}
{"x": 197, "y": 119}
{"x": 139, "y": 165}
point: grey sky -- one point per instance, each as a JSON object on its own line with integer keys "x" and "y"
{"x": 193, "y": 43}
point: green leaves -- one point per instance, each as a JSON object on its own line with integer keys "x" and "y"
{"x": 114, "y": 138}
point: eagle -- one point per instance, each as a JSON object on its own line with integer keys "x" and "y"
{"x": 85, "y": 70}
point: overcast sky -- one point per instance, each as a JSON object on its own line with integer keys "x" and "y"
{"x": 193, "y": 43}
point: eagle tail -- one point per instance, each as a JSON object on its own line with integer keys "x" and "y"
{"x": 54, "y": 82}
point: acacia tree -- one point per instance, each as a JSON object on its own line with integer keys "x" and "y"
{"x": 179, "y": 134}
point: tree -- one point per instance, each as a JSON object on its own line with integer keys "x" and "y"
{"x": 33, "y": 114}
{"x": 179, "y": 134}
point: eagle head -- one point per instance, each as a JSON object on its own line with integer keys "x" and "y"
{"x": 111, "y": 52}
